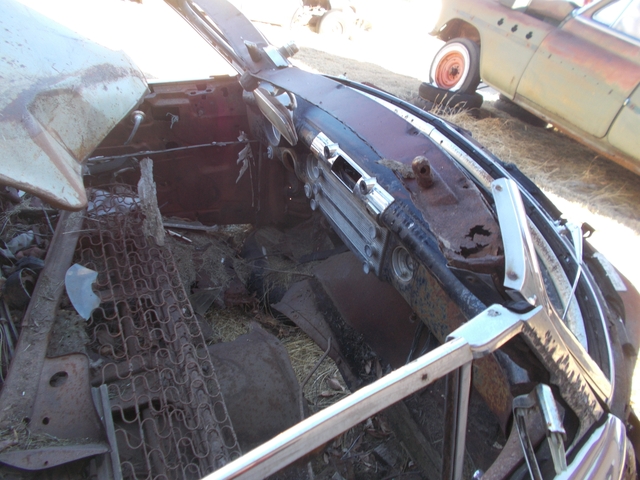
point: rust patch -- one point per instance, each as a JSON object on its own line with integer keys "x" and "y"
{"x": 456, "y": 212}
{"x": 399, "y": 168}
{"x": 422, "y": 171}
{"x": 442, "y": 317}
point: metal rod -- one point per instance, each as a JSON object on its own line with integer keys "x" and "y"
{"x": 95, "y": 160}
{"x": 458, "y": 385}
{"x": 464, "y": 390}
{"x": 311, "y": 372}
{"x": 320, "y": 428}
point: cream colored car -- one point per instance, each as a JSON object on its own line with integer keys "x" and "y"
{"x": 578, "y": 67}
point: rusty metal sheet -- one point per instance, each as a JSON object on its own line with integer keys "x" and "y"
{"x": 623, "y": 132}
{"x": 442, "y": 317}
{"x": 467, "y": 232}
{"x": 195, "y": 158}
{"x": 20, "y": 389}
{"x": 259, "y": 386}
{"x": 372, "y": 307}
{"x": 54, "y": 113}
{"x": 64, "y": 407}
{"x": 47, "y": 457}
{"x": 581, "y": 76}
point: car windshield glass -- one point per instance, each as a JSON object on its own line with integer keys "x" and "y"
{"x": 609, "y": 14}
{"x": 629, "y": 23}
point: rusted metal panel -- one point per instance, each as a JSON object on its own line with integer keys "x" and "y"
{"x": 260, "y": 388}
{"x": 467, "y": 232}
{"x": 63, "y": 407}
{"x": 442, "y": 317}
{"x": 61, "y": 95}
{"x": 624, "y": 131}
{"x": 372, "y": 307}
{"x": 20, "y": 389}
{"x": 48, "y": 457}
{"x": 582, "y": 75}
{"x": 191, "y": 132}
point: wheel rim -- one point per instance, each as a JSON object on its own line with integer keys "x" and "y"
{"x": 450, "y": 67}
{"x": 450, "y": 70}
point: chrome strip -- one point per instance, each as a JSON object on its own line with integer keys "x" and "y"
{"x": 523, "y": 277}
{"x": 463, "y": 390}
{"x": 374, "y": 196}
{"x": 318, "y": 429}
{"x": 602, "y": 456}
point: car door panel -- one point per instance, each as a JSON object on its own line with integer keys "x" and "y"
{"x": 624, "y": 131}
{"x": 582, "y": 74}
{"x": 510, "y": 38}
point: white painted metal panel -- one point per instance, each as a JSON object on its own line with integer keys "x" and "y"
{"x": 60, "y": 95}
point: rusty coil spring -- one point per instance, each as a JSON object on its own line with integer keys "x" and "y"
{"x": 147, "y": 347}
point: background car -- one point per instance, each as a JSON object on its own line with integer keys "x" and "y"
{"x": 324, "y": 16}
{"x": 575, "y": 67}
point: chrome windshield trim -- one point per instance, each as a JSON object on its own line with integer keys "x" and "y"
{"x": 523, "y": 277}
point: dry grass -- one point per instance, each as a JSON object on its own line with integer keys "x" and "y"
{"x": 229, "y": 323}
{"x": 319, "y": 391}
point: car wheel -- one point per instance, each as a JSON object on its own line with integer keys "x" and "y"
{"x": 333, "y": 22}
{"x": 456, "y": 66}
{"x": 447, "y": 98}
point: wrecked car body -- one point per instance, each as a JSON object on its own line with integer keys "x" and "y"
{"x": 556, "y": 59}
{"x": 446, "y": 288}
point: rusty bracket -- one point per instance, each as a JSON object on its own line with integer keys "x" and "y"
{"x": 19, "y": 394}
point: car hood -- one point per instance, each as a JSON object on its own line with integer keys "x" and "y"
{"x": 227, "y": 30}
{"x": 61, "y": 95}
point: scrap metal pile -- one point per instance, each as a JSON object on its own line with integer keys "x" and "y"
{"x": 474, "y": 333}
